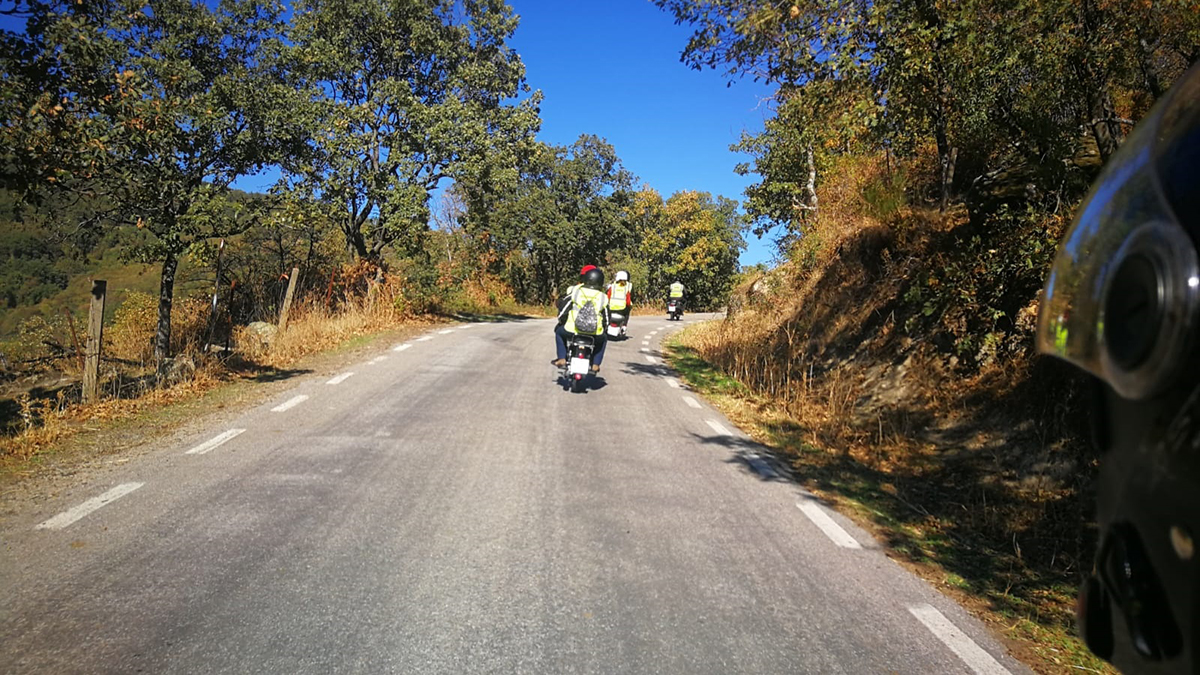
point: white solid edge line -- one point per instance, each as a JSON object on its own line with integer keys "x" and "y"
{"x": 651, "y": 360}
{"x": 826, "y": 524}
{"x": 972, "y": 654}
{"x": 340, "y": 378}
{"x": 290, "y": 403}
{"x": 692, "y": 403}
{"x": 673, "y": 382}
{"x": 213, "y": 442}
{"x": 400, "y": 348}
{"x": 377, "y": 359}
{"x": 718, "y": 427}
{"x": 427, "y": 338}
{"x": 67, "y": 517}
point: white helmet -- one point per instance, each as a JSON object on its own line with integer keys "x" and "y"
{"x": 622, "y": 276}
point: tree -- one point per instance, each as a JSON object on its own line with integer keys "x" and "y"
{"x": 156, "y": 109}
{"x": 402, "y": 95}
{"x": 691, "y": 238}
{"x": 560, "y": 209}
{"x": 810, "y": 125}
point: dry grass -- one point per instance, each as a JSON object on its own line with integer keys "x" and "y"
{"x": 48, "y": 422}
{"x": 313, "y": 328}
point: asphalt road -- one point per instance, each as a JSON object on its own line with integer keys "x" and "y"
{"x": 447, "y": 506}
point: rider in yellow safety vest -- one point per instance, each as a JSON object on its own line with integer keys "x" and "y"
{"x": 620, "y": 295}
{"x": 678, "y": 293}
{"x": 582, "y": 296}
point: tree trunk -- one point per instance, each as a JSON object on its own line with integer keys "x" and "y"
{"x": 947, "y": 158}
{"x": 356, "y": 243}
{"x": 1105, "y": 129}
{"x": 810, "y": 187}
{"x": 166, "y": 294}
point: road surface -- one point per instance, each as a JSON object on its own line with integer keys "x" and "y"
{"x": 445, "y": 506}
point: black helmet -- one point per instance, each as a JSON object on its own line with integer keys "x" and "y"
{"x": 1123, "y": 303}
{"x": 594, "y": 278}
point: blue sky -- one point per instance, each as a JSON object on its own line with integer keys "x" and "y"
{"x": 611, "y": 68}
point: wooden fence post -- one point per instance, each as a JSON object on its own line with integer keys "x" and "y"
{"x": 287, "y": 299}
{"x": 95, "y": 342}
{"x": 214, "y": 309}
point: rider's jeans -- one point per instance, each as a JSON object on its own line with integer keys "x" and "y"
{"x": 562, "y": 336}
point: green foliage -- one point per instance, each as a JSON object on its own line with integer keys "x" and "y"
{"x": 883, "y": 195}
{"x": 155, "y": 111}
{"x": 1009, "y": 94}
{"x": 972, "y": 295}
{"x": 561, "y": 208}
{"x": 29, "y": 271}
{"x": 691, "y": 238}
{"x": 399, "y": 96}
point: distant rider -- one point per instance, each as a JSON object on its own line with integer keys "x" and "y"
{"x": 677, "y": 293}
{"x": 620, "y": 296}
{"x": 587, "y": 293}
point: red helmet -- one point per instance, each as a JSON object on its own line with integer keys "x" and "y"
{"x": 586, "y": 269}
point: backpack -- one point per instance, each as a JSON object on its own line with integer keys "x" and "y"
{"x": 587, "y": 319}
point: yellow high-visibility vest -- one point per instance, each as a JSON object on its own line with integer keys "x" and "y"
{"x": 676, "y": 290}
{"x": 620, "y": 296}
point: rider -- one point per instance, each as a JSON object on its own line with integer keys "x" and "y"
{"x": 587, "y": 292}
{"x": 1122, "y": 303}
{"x": 677, "y": 293}
{"x": 620, "y": 295}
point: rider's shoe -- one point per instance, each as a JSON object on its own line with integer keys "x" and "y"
{"x": 559, "y": 362}
{"x": 595, "y": 369}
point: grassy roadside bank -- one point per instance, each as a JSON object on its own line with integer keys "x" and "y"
{"x": 1030, "y": 606}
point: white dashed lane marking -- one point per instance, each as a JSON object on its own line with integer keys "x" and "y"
{"x": 651, "y": 360}
{"x": 400, "y": 348}
{"x": 427, "y": 338}
{"x": 718, "y": 427}
{"x": 972, "y": 654}
{"x": 692, "y": 403}
{"x": 826, "y": 524}
{"x": 377, "y": 359}
{"x": 645, "y": 349}
{"x": 290, "y": 403}
{"x": 673, "y": 382}
{"x": 446, "y": 332}
{"x": 67, "y": 517}
{"x": 214, "y": 442}
{"x": 340, "y": 378}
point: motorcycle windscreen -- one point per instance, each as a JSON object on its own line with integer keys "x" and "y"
{"x": 1122, "y": 294}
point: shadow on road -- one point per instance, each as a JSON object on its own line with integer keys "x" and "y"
{"x": 753, "y": 458}
{"x": 632, "y": 368}
{"x": 493, "y": 318}
{"x": 590, "y": 383}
